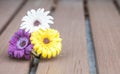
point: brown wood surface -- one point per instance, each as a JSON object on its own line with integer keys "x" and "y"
{"x": 105, "y": 24}
{"x": 7, "y": 10}
{"x": 13, "y": 66}
{"x": 69, "y": 20}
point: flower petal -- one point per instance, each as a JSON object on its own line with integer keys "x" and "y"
{"x": 48, "y": 50}
{"x": 50, "y": 17}
{"x": 28, "y": 49}
{"x": 18, "y": 54}
{"x": 47, "y": 12}
{"x": 11, "y": 50}
{"x": 42, "y": 10}
{"x": 27, "y": 57}
{"x": 20, "y": 32}
{"x": 44, "y": 53}
{"x": 33, "y": 11}
{"x": 32, "y": 16}
{"x": 49, "y": 54}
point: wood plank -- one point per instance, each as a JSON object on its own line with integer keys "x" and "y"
{"x": 105, "y": 24}
{"x": 8, "y": 65}
{"x": 7, "y": 9}
{"x": 69, "y": 20}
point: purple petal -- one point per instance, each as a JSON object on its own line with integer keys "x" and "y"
{"x": 27, "y": 34}
{"x": 12, "y": 48}
{"x": 10, "y": 53}
{"x": 13, "y": 40}
{"x": 27, "y": 57}
{"x": 13, "y": 45}
{"x": 18, "y": 54}
{"x": 20, "y": 32}
{"x": 16, "y": 36}
{"x": 28, "y": 49}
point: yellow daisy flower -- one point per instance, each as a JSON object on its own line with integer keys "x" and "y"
{"x": 47, "y": 43}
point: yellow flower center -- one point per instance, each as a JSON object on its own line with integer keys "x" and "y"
{"x": 36, "y": 23}
{"x": 46, "y": 40}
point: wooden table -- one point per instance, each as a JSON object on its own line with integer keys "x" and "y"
{"x": 90, "y": 30}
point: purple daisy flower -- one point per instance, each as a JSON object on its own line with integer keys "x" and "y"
{"x": 19, "y": 45}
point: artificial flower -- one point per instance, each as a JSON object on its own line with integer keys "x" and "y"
{"x": 36, "y": 19}
{"x": 20, "y": 45}
{"x": 47, "y": 43}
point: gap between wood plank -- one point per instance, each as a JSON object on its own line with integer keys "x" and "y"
{"x": 8, "y": 33}
{"x": 106, "y": 32}
{"x": 73, "y": 58}
{"x": 90, "y": 44}
{"x": 35, "y": 61}
{"x": 92, "y": 62}
{"x": 117, "y": 5}
{"x": 12, "y": 17}
{"x": 91, "y": 51}
{"x": 33, "y": 65}
{"x": 54, "y": 6}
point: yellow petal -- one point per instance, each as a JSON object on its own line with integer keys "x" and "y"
{"x": 36, "y": 47}
{"x": 58, "y": 51}
{"x": 46, "y": 50}
{"x": 44, "y": 54}
{"x": 49, "y": 54}
{"x": 39, "y": 51}
{"x": 53, "y": 52}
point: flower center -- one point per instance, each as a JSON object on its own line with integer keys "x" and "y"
{"x": 23, "y": 43}
{"x": 46, "y": 40}
{"x": 36, "y": 23}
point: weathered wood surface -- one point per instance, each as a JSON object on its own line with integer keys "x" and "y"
{"x": 13, "y": 66}
{"x": 105, "y": 24}
{"x": 69, "y": 20}
{"x": 7, "y": 10}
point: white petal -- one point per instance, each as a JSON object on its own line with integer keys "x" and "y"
{"x": 33, "y": 11}
{"x": 30, "y": 31}
{"x": 38, "y": 10}
{"x": 25, "y": 18}
{"x": 33, "y": 29}
{"x": 42, "y": 27}
{"x": 27, "y": 29}
{"x": 42, "y": 10}
{"x": 50, "y": 17}
{"x": 34, "y": 15}
{"x": 46, "y": 26}
{"x": 22, "y": 24}
{"x": 22, "y": 27}
{"x": 50, "y": 22}
{"x": 29, "y": 13}
{"x": 47, "y": 12}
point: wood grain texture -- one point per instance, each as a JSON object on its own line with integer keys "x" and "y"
{"x": 7, "y": 10}
{"x": 69, "y": 20}
{"x": 105, "y": 24}
{"x": 14, "y": 66}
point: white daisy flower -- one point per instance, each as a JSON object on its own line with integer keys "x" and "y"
{"x": 35, "y": 20}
